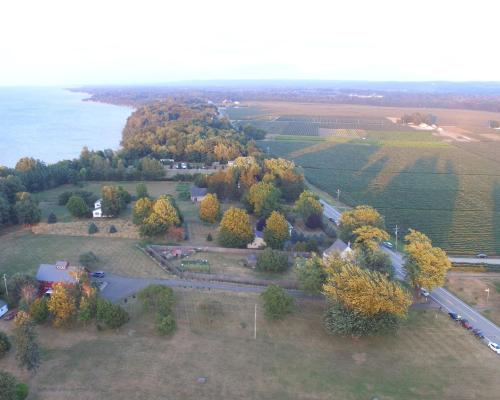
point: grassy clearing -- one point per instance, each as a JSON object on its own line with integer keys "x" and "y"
{"x": 23, "y": 251}
{"x": 471, "y": 289}
{"x": 430, "y": 358}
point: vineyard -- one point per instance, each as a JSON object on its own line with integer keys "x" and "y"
{"x": 449, "y": 193}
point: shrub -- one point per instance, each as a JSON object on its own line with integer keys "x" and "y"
{"x": 7, "y": 386}
{"x": 77, "y": 206}
{"x": 165, "y": 324}
{"x": 184, "y": 196}
{"x": 112, "y": 315}
{"x": 141, "y": 190}
{"x": 112, "y": 229}
{"x": 52, "y": 219}
{"x": 276, "y": 302}
{"x": 310, "y": 274}
{"x": 39, "y": 310}
{"x": 314, "y": 221}
{"x": 270, "y": 260}
{"x": 4, "y": 344}
{"x": 22, "y": 391}
{"x": 158, "y": 298}
{"x": 63, "y": 198}
{"x": 93, "y": 228}
{"x": 89, "y": 259}
{"x": 209, "y": 237}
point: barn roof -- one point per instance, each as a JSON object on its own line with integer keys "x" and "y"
{"x": 338, "y": 246}
{"x": 50, "y": 273}
{"x": 198, "y": 192}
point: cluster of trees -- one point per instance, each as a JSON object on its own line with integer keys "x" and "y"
{"x": 160, "y": 300}
{"x": 17, "y": 206}
{"x": 156, "y": 217}
{"x": 310, "y": 209}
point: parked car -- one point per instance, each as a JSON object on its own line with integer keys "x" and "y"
{"x": 482, "y": 255}
{"x": 478, "y": 333}
{"x": 495, "y": 347}
{"x": 455, "y": 316}
{"x": 389, "y": 245}
{"x": 98, "y": 274}
{"x": 466, "y": 324}
{"x": 10, "y": 315}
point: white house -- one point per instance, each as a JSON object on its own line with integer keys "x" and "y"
{"x": 97, "y": 204}
{"x": 97, "y": 213}
{"x": 3, "y": 308}
{"x": 339, "y": 248}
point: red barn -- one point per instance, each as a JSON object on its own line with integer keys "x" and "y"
{"x": 61, "y": 272}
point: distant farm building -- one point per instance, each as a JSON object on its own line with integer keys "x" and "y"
{"x": 97, "y": 212}
{"x": 338, "y": 248}
{"x": 198, "y": 194}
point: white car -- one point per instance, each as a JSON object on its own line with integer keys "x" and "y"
{"x": 424, "y": 292}
{"x": 495, "y": 347}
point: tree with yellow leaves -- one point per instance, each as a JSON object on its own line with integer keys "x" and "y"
{"x": 276, "y": 232}
{"x": 264, "y": 198}
{"x": 308, "y": 204}
{"x": 426, "y": 265}
{"x": 368, "y": 238}
{"x": 356, "y": 218}
{"x": 364, "y": 291}
{"x": 209, "y": 208}
{"x": 235, "y": 228}
{"x": 362, "y": 302}
{"x": 142, "y": 210}
{"x": 164, "y": 215}
{"x": 62, "y": 305}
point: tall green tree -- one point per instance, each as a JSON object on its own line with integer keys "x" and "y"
{"x": 28, "y": 352}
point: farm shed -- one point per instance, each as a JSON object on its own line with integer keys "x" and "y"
{"x": 198, "y": 194}
{"x": 339, "y": 248}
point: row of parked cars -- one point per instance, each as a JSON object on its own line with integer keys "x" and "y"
{"x": 477, "y": 332}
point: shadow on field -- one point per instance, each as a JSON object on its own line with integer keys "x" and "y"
{"x": 496, "y": 216}
{"x": 422, "y": 197}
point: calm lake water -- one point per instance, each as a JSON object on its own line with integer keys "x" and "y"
{"x": 52, "y": 124}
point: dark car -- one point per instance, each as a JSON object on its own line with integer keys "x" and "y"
{"x": 98, "y": 274}
{"x": 466, "y": 324}
{"x": 482, "y": 255}
{"x": 478, "y": 333}
{"x": 454, "y": 316}
{"x": 10, "y": 315}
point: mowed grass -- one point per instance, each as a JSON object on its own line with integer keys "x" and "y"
{"x": 445, "y": 191}
{"x": 472, "y": 289}
{"x": 430, "y": 358}
{"x": 23, "y": 251}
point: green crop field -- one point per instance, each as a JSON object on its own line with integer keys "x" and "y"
{"x": 451, "y": 193}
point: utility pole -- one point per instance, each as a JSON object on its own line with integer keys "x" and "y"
{"x": 255, "y": 322}
{"x": 5, "y": 282}
{"x": 338, "y": 194}
{"x": 396, "y": 230}
{"x": 487, "y": 290}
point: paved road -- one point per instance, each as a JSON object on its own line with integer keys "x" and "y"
{"x": 441, "y": 296}
{"x": 475, "y": 260}
{"x": 120, "y": 287}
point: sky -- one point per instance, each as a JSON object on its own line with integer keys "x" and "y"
{"x": 78, "y": 42}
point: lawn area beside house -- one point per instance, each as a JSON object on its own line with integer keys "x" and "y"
{"x": 293, "y": 358}
{"x": 23, "y": 251}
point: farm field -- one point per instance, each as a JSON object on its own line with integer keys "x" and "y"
{"x": 293, "y": 358}
{"x": 471, "y": 287}
{"x": 450, "y": 194}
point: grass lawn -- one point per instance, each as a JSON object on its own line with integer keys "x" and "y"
{"x": 471, "y": 289}
{"x": 430, "y": 358}
{"x": 23, "y": 251}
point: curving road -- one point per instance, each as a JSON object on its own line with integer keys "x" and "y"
{"x": 445, "y": 299}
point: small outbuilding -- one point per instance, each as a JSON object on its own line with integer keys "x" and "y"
{"x": 3, "y": 308}
{"x": 339, "y": 248}
{"x": 198, "y": 194}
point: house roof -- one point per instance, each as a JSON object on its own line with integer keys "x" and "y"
{"x": 197, "y": 192}
{"x": 2, "y": 303}
{"x": 50, "y": 273}
{"x": 338, "y": 246}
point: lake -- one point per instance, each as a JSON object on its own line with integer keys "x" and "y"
{"x": 52, "y": 124}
